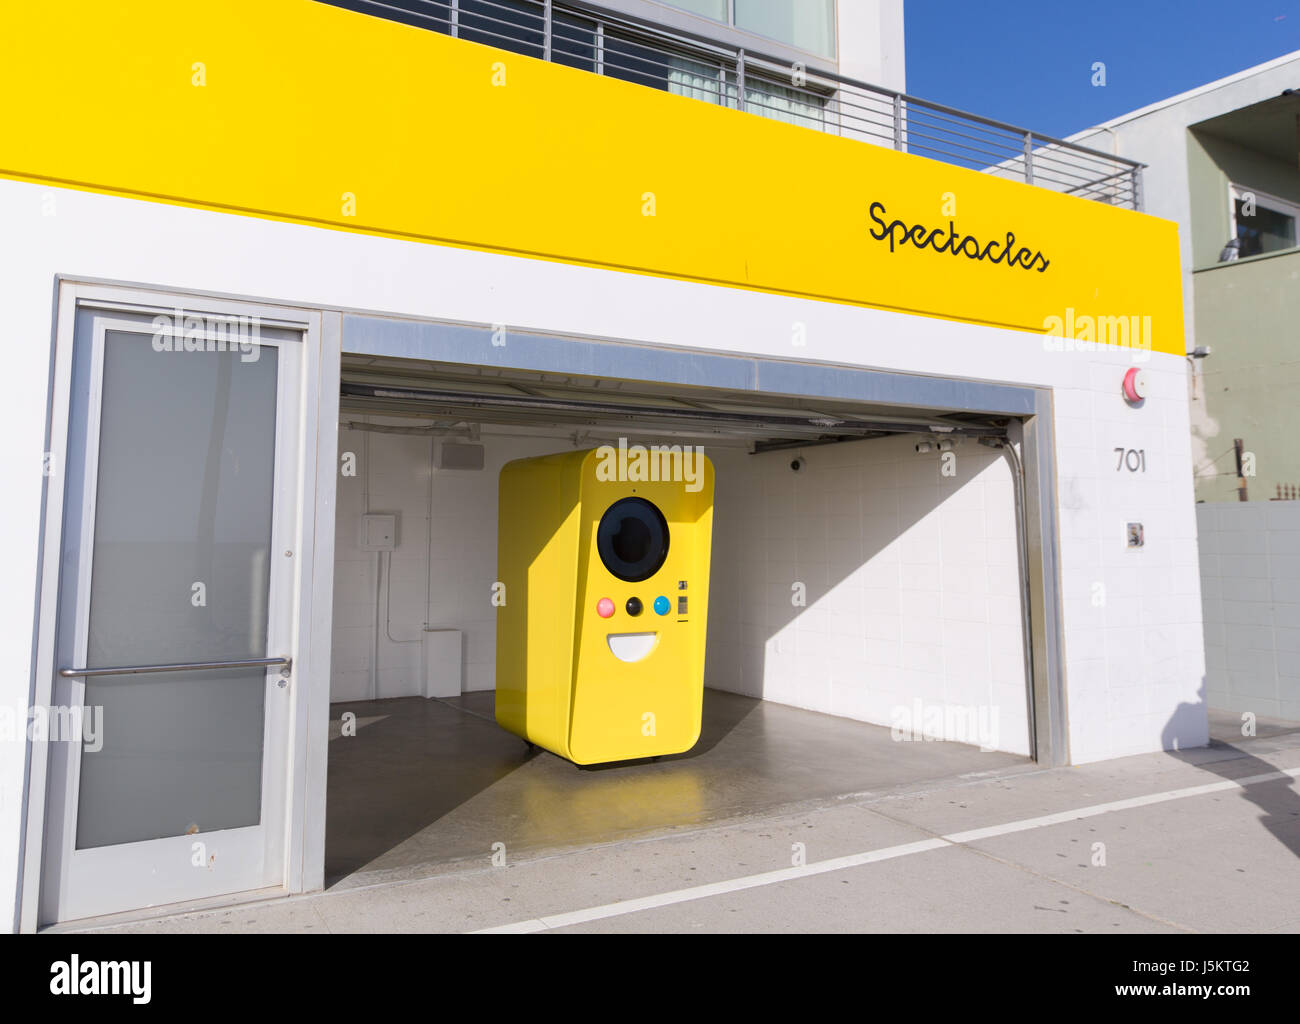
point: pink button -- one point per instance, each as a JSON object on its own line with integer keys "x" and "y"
{"x": 605, "y": 608}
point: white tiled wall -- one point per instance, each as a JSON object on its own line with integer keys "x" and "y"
{"x": 1250, "y": 589}
{"x": 457, "y": 559}
{"x": 912, "y": 583}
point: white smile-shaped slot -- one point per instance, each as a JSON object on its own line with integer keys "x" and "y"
{"x": 632, "y": 646}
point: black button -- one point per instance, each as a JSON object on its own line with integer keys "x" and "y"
{"x": 634, "y": 606}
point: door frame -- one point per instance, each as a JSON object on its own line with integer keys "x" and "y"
{"x": 311, "y": 579}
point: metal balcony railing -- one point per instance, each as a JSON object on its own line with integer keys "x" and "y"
{"x": 584, "y": 35}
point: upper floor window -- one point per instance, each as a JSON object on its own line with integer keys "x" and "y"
{"x": 704, "y": 78}
{"x": 1262, "y": 223}
{"x": 616, "y": 50}
{"x": 715, "y": 9}
{"x": 805, "y": 24}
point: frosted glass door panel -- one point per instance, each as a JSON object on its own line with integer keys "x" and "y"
{"x": 180, "y": 573}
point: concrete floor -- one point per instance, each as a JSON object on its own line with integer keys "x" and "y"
{"x": 426, "y": 782}
{"x": 897, "y": 837}
{"x": 1202, "y": 840}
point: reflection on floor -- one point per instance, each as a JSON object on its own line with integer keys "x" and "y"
{"x": 430, "y": 781}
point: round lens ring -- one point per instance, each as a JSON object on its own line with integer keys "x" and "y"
{"x": 632, "y": 539}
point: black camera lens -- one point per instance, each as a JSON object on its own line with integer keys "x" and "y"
{"x": 634, "y": 606}
{"x": 632, "y": 540}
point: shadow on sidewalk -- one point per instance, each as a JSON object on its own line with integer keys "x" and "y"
{"x": 1277, "y": 798}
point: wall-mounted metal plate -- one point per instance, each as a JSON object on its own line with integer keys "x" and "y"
{"x": 378, "y": 532}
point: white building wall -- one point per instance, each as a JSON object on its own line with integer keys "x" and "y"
{"x": 1250, "y": 571}
{"x": 1117, "y": 705}
{"x": 871, "y": 42}
{"x": 1134, "y": 654}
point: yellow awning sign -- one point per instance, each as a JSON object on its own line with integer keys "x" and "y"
{"x": 358, "y": 124}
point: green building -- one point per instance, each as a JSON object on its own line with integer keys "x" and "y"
{"x": 1224, "y": 163}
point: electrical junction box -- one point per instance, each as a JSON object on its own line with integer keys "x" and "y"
{"x": 378, "y": 532}
{"x": 600, "y": 638}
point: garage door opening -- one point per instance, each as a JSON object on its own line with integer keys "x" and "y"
{"x": 867, "y": 615}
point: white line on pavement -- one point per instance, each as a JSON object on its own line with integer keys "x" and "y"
{"x": 697, "y": 892}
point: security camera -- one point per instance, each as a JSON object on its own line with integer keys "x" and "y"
{"x": 797, "y": 463}
{"x": 924, "y": 447}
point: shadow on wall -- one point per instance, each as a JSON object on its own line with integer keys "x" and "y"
{"x": 1276, "y": 797}
{"x": 908, "y": 577}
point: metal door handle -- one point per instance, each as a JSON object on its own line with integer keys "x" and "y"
{"x": 130, "y": 670}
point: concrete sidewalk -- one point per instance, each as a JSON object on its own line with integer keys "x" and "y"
{"x": 1155, "y": 843}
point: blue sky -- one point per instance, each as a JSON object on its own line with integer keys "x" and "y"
{"x": 1029, "y": 62}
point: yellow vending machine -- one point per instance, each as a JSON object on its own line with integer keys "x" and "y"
{"x": 604, "y": 557}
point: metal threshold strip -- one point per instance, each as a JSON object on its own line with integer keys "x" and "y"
{"x": 809, "y": 425}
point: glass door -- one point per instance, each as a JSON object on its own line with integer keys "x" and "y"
{"x": 175, "y": 612}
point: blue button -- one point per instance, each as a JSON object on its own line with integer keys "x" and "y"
{"x": 662, "y": 605}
